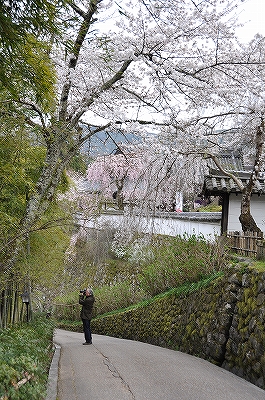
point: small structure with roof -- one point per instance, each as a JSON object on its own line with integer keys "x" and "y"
{"x": 217, "y": 184}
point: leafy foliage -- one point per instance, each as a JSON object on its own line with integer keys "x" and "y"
{"x": 117, "y": 296}
{"x": 20, "y": 165}
{"x": 26, "y": 351}
{"x": 25, "y": 66}
{"x": 18, "y": 18}
{"x": 168, "y": 262}
{"x": 177, "y": 261}
{"x": 43, "y": 266}
{"x": 22, "y": 158}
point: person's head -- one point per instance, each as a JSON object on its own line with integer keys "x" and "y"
{"x": 89, "y": 292}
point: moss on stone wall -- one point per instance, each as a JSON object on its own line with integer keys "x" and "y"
{"x": 223, "y": 323}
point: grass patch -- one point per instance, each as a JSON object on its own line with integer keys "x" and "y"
{"x": 26, "y": 351}
{"x": 210, "y": 208}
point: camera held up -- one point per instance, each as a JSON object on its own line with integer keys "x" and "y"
{"x": 83, "y": 292}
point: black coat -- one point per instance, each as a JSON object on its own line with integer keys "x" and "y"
{"x": 87, "y": 306}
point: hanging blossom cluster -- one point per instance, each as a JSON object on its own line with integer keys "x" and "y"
{"x": 108, "y": 173}
{"x": 145, "y": 178}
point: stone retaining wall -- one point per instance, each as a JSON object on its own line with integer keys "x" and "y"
{"x": 223, "y": 323}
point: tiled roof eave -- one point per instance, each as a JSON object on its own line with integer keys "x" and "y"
{"x": 216, "y": 186}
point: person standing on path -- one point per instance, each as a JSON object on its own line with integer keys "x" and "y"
{"x": 86, "y": 299}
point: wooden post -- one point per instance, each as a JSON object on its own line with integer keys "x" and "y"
{"x": 260, "y": 249}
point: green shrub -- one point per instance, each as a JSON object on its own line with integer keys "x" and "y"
{"x": 26, "y": 351}
{"x": 121, "y": 295}
{"x": 108, "y": 298}
{"x": 150, "y": 266}
{"x": 178, "y": 260}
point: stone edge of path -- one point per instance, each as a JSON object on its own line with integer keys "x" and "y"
{"x": 53, "y": 374}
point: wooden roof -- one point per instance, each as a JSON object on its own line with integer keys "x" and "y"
{"x": 216, "y": 183}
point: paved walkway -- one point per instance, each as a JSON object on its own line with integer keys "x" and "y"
{"x": 119, "y": 369}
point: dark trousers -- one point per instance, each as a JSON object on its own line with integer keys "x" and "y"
{"x": 87, "y": 330}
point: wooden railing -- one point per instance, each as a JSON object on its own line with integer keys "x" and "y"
{"x": 246, "y": 243}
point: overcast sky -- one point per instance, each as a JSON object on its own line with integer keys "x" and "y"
{"x": 252, "y": 12}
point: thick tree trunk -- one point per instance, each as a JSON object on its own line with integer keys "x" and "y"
{"x": 247, "y": 221}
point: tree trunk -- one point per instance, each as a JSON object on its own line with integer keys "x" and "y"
{"x": 247, "y": 221}
{"x": 245, "y": 218}
{"x": 119, "y": 184}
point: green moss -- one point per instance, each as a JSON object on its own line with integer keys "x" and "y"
{"x": 258, "y": 265}
{"x": 251, "y": 303}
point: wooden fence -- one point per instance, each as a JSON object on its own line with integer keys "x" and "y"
{"x": 247, "y": 243}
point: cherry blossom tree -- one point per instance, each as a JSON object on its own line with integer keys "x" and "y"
{"x": 166, "y": 67}
{"x": 114, "y": 176}
{"x": 141, "y": 178}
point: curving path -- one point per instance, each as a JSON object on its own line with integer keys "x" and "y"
{"x": 119, "y": 369}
